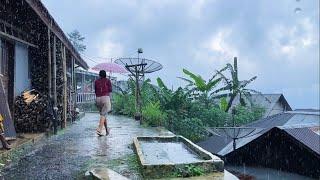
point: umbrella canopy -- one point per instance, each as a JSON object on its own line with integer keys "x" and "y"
{"x": 110, "y": 67}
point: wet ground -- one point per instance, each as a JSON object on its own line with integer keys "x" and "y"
{"x": 77, "y": 149}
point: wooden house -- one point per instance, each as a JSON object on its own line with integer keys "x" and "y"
{"x": 36, "y": 54}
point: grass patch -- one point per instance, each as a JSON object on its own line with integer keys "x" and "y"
{"x": 133, "y": 163}
{"x": 127, "y": 166}
{"x": 84, "y": 168}
{"x": 130, "y": 161}
{"x": 182, "y": 172}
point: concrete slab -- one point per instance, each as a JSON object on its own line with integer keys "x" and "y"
{"x": 106, "y": 174}
{"x": 163, "y": 155}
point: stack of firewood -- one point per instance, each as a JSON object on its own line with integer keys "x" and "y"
{"x": 32, "y": 112}
{"x": 39, "y": 70}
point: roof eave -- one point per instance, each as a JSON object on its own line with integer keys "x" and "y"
{"x": 49, "y": 21}
{"x": 283, "y": 99}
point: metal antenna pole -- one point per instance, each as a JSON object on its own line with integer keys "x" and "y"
{"x": 233, "y": 112}
{"x": 138, "y": 68}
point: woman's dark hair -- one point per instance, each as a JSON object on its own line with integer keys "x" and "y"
{"x": 102, "y": 74}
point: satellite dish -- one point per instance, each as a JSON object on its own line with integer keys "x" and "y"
{"x": 140, "y": 50}
{"x": 138, "y": 67}
{"x": 297, "y": 10}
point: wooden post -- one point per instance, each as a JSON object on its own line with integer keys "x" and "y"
{"x": 74, "y": 87}
{"x": 54, "y": 71}
{"x": 65, "y": 82}
{"x": 83, "y": 79}
{"x": 138, "y": 115}
{"x": 74, "y": 82}
{"x": 72, "y": 72}
{"x": 49, "y": 65}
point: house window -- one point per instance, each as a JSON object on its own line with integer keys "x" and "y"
{"x": 4, "y": 56}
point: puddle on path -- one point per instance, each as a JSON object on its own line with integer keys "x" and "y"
{"x": 167, "y": 152}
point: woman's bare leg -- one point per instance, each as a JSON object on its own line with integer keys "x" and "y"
{"x": 101, "y": 124}
{"x": 106, "y": 126}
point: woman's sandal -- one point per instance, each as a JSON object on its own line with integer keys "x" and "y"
{"x": 99, "y": 132}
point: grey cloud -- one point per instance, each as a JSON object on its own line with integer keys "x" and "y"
{"x": 172, "y": 32}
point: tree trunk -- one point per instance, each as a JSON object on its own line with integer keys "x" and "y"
{"x": 230, "y": 102}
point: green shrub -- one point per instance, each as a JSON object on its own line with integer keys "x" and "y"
{"x": 191, "y": 128}
{"x": 152, "y": 114}
{"x": 258, "y": 112}
{"x": 129, "y": 105}
{"x": 246, "y": 115}
{"x": 196, "y": 109}
{"x": 214, "y": 117}
{"x": 117, "y": 103}
{"x": 123, "y": 104}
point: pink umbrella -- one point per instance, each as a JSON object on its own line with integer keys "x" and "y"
{"x": 110, "y": 67}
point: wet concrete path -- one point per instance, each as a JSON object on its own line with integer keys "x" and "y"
{"x": 78, "y": 149}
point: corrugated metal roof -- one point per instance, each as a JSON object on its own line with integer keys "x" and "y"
{"x": 271, "y": 121}
{"x": 267, "y": 101}
{"x": 239, "y": 143}
{"x": 216, "y": 145}
{"x": 307, "y": 137}
{"x": 303, "y": 120}
{"x": 307, "y": 110}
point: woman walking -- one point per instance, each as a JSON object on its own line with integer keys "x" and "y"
{"x": 103, "y": 88}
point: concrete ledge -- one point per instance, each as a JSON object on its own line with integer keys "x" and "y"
{"x": 105, "y": 174}
{"x": 208, "y": 162}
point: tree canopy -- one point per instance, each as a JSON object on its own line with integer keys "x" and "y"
{"x": 77, "y": 41}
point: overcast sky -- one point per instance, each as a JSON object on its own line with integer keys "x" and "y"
{"x": 269, "y": 38}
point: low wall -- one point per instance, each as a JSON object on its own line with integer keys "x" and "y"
{"x": 207, "y": 162}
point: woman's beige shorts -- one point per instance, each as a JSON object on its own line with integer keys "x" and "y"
{"x": 103, "y": 104}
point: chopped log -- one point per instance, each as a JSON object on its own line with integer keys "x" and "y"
{"x": 32, "y": 113}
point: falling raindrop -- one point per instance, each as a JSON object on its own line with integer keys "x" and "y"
{"x": 297, "y": 10}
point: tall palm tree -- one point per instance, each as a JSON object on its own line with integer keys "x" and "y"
{"x": 235, "y": 86}
{"x": 198, "y": 84}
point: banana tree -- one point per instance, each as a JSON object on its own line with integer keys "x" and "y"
{"x": 234, "y": 86}
{"x": 172, "y": 100}
{"x": 199, "y": 85}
